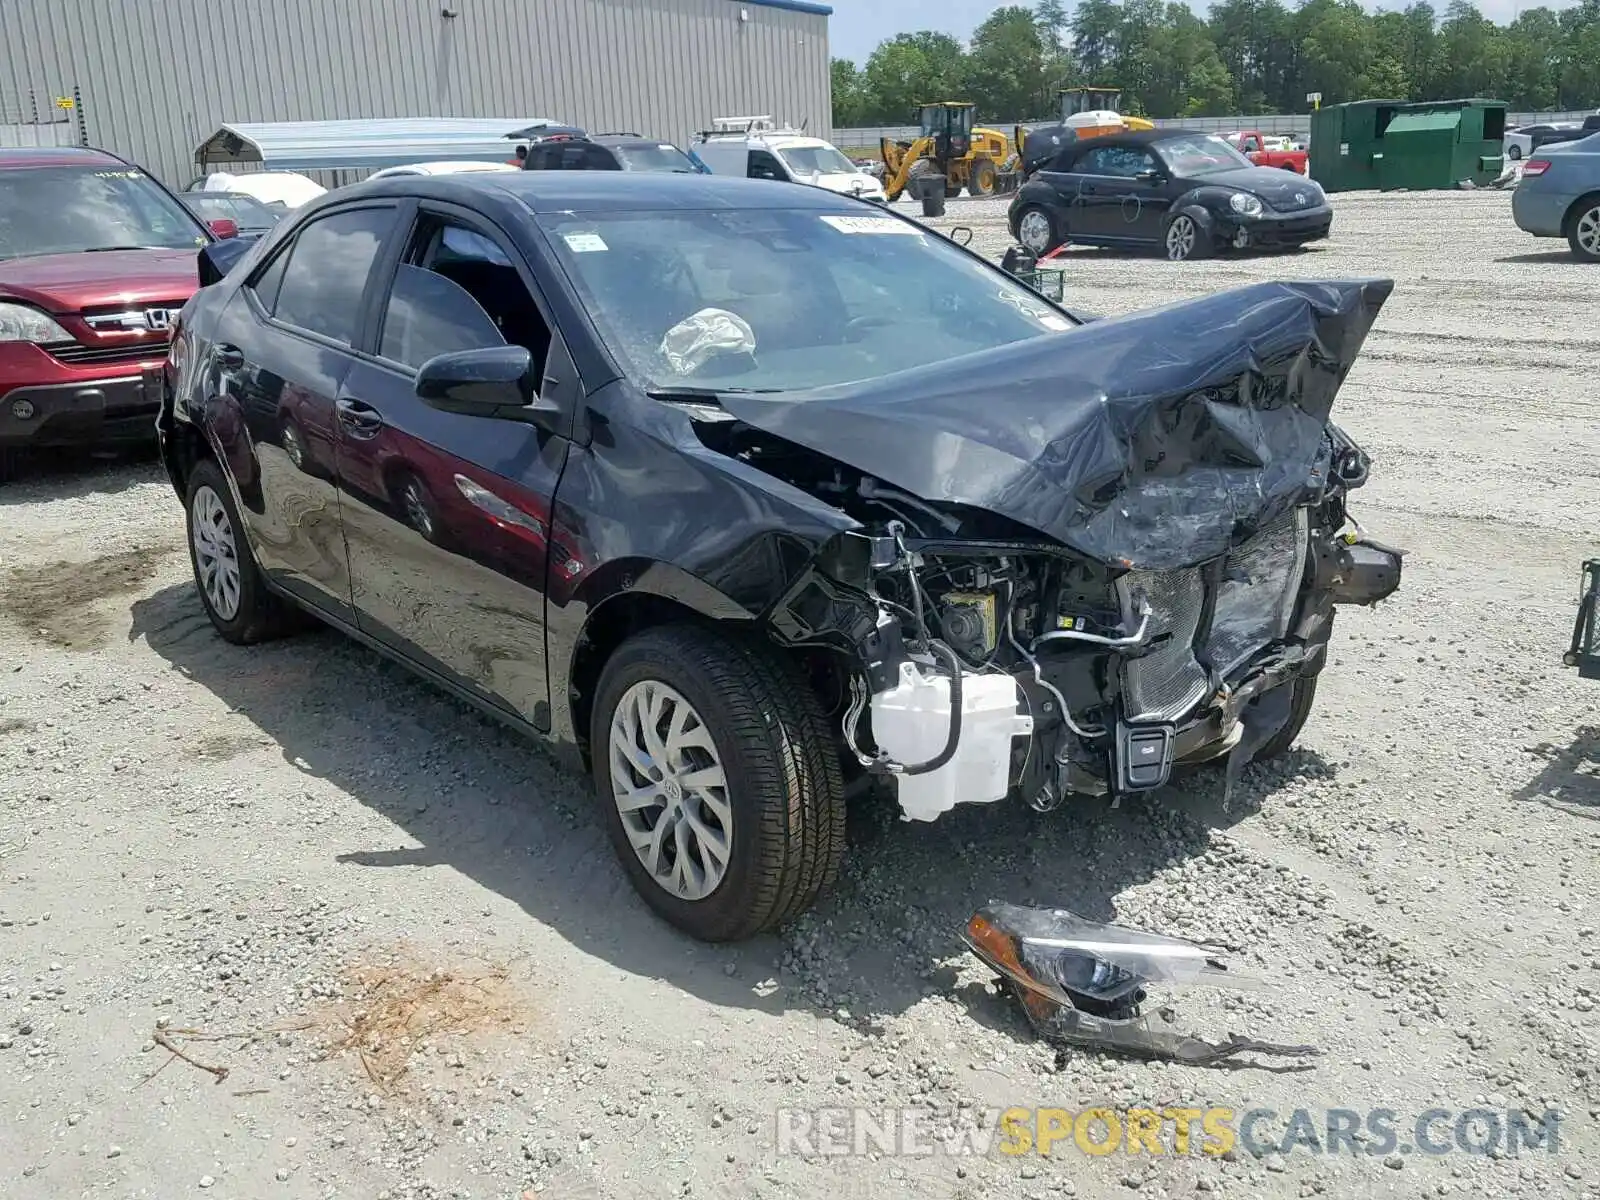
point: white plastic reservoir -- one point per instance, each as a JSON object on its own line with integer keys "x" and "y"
{"x": 911, "y": 722}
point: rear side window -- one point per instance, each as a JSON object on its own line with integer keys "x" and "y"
{"x": 327, "y": 272}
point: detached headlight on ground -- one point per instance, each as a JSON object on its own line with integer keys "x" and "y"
{"x": 19, "y": 323}
{"x": 1245, "y": 204}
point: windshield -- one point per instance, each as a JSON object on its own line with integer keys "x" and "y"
{"x": 816, "y": 160}
{"x": 67, "y": 210}
{"x": 655, "y": 158}
{"x": 245, "y": 211}
{"x": 784, "y": 299}
{"x": 1199, "y": 154}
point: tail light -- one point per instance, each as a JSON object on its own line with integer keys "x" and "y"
{"x": 1535, "y": 166}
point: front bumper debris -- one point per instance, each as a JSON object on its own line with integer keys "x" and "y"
{"x": 1083, "y": 983}
{"x": 1584, "y": 653}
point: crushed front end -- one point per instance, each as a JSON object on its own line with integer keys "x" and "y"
{"x": 1115, "y": 553}
{"x": 991, "y": 667}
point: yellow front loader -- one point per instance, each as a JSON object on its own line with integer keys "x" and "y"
{"x": 982, "y": 161}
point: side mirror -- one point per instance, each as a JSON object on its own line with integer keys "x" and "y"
{"x": 494, "y": 382}
{"x": 223, "y": 227}
{"x": 216, "y": 259}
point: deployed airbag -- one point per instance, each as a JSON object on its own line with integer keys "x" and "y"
{"x": 1156, "y": 440}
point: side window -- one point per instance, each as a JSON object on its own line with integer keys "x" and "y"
{"x": 458, "y": 290}
{"x": 1251, "y": 144}
{"x": 429, "y": 315}
{"x": 1118, "y": 162}
{"x": 765, "y": 166}
{"x": 327, "y": 272}
{"x": 269, "y": 281}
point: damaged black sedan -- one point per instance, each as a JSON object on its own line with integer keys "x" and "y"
{"x": 740, "y": 494}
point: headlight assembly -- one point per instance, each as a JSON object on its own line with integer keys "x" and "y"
{"x": 1245, "y": 204}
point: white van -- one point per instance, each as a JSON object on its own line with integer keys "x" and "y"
{"x": 753, "y": 147}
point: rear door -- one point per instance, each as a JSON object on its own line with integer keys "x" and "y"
{"x": 281, "y": 351}
{"x": 447, "y": 516}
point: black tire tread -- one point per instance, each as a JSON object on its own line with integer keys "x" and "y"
{"x": 1305, "y": 696}
{"x": 784, "y": 741}
{"x": 263, "y": 614}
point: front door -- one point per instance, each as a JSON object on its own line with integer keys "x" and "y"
{"x": 281, "y": 353}
{"x": 1117, "y": 205}
{"x": 447, "y": 517}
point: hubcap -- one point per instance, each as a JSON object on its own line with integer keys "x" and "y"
{"x": 216, "y": 555}
{"x": 417, "y": 509}
{"x": 670, "y": 790}
{"x": 293, "y": 448}
{"x": 1180, "y": 238}
{"x": 1589, "y": 232}
{"x": 1034, "y": 231}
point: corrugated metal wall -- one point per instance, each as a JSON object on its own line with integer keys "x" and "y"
{"x": 158, "y": 76}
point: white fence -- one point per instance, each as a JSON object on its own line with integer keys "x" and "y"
{"x": 1294, "y": 123}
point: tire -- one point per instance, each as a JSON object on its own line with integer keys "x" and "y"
{"x": 920, "y": 170}
{"x": 1185, "y": 240}
{"x": 417, "y": 506}
{"x": 1583, "y": 229}
{"x": 981, "y": 181}
{"x": 783, "y": 790}
{"x": 1514, "y": 153}
{"x": 1036, "y": 217}
{"x": 255, "y": 614}
{"x": 1305, "y": 695}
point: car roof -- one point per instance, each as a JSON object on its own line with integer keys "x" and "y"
{"x": 614, "y": 191}
{"x": 627, "y": 139}
{"x": 57, "y": 156}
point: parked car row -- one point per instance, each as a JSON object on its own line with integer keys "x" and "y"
{"x": 1558, "y": 195}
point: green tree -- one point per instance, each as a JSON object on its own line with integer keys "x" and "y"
{"x": 1252, "y": 41}
{"x": 850, "y": 107}
{"x": 1007, "y": 72}
{"x": 909, "y": 69}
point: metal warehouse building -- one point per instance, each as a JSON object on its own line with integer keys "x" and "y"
{"x": 152, "y": 79}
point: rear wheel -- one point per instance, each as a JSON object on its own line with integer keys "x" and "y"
{"x": 231, "y": 588}
{"x": 1514, "y": 153}
{"x": 718, "y": 779}
{"x": 1037, "y": 231}
{"x": 1583, "y": 229}
{"x": 920, "y": 170}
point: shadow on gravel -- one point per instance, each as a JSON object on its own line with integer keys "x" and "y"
{"x": 1544, "y": 256}
{"x": 1570, "y": 779}
{"x": 44, "y": 475}
{"x": 482, "y": 801}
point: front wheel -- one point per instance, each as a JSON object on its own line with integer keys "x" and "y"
{"x": 718, "y": 779}
{"x": 1305, "y": 695}
{"x": 1514, "y": 153}
{"x": 982, "y": 181}
{"x": 1185, "y": 239}
{"x": 1583, "y": 230}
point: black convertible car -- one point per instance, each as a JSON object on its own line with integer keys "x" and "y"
{"x": 1187, "y": 192}
{"x": 740, "y": 492}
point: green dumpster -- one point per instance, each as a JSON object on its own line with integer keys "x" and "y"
{"x": 1385, "y": 144}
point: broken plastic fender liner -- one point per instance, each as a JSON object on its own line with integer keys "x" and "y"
{"x": 1157, "y": 440}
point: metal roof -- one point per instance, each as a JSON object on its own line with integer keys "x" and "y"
{"x": 800, "y": 6}
{"x": 363, "y": 145}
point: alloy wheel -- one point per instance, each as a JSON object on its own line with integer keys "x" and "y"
{"x": 670, "y": 789}
{"x": 1180, "y": 238}
{"x": 293, "y": 447}
{"x": 416, "y": 505}
{"x": 216, "y": 554}
{"x": 1587, "y": 232}
{"x": 1033, "y": 231}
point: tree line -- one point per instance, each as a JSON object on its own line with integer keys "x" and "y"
{"x": 1246, "y": 56}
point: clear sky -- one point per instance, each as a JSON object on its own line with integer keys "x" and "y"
{"x": 858, "y": 26}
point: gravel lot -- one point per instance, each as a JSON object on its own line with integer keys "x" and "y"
{"x": 402, "y": 933}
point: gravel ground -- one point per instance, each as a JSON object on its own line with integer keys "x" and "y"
{"x": 401, "y": 932}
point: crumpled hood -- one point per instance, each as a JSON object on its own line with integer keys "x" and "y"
{"x": 1155, "y": 440}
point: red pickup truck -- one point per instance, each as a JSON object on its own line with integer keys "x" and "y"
{"x": 1253, "y": 146}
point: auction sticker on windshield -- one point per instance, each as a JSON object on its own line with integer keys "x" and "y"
{"x": 584, "y": 243}
{"x": 872, "y": 225}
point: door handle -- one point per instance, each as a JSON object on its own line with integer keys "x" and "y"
{"x": 360, "y": 419}
{"x": 229, "y": 358}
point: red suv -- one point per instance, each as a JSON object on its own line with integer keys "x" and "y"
{"x": 96, "y": 259}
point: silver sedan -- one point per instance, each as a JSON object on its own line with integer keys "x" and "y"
{"x": 1559, "y": 195}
